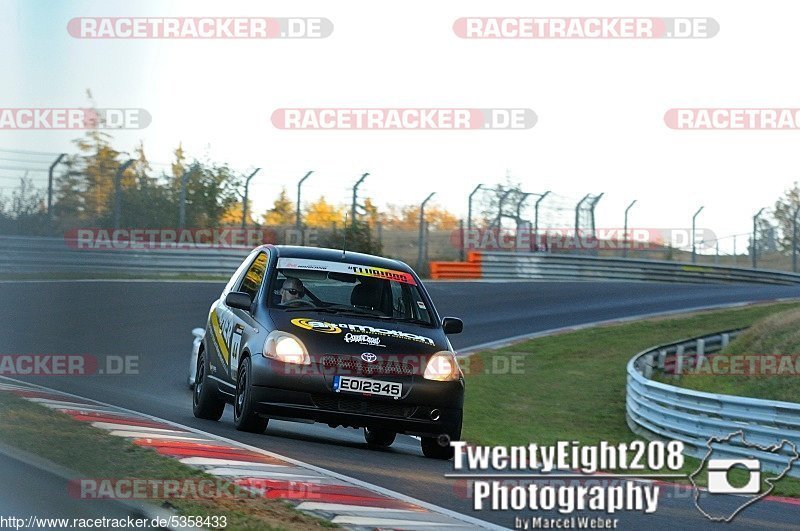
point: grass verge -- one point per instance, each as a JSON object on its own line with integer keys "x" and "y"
{"x": 94, "y": 453}
{"x": 776, "y": 334}
{"x": 571, "y": 386}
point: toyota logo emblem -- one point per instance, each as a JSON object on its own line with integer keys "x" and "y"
{"x": 369, "y": 357}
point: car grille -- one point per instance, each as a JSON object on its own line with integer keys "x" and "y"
{"x": 347, "y": 404}
{"x": 356, "y": 366}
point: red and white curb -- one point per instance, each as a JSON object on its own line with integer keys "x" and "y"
{"x": 345, "y": 501}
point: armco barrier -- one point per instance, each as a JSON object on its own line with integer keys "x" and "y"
{"x": 54, "y": 255}
{"x": 659, "y": 411}
{"x": 539, "y": 266}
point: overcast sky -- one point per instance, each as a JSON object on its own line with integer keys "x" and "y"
{"x": 600, "y": 103}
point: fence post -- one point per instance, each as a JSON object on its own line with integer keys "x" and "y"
{"x": 182, "y": 197}
{"x": 694, "y": 219}
{"x": 662, "y": 357}
{"x": 536, "y": 219}
{"x": 794, "y": 240}
{"x": 50, "y": 186}
{"x": 298, "y": 220}
{"x": 461, "y": 251}
{"x": 625, "y": 231}
{"x": 422, "y": 234}
{"x": 118, "y": 191}
{"x": 246, "y": 195}
{"x": 754, "y": 247}
{"x": 701, "y": 352}
{"x": 679, "y": 360}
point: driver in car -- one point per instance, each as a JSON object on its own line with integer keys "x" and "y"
{"x": 292, "y": 290}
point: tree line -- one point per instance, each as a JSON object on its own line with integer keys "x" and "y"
{"x": 84, "y": 195}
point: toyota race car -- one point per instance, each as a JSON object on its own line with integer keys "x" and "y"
{"x": 342, "y": 338}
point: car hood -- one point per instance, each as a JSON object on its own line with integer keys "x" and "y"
{"x": 331, "y": 334}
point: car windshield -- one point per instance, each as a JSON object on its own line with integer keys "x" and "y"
{"x": 341, "y": 288}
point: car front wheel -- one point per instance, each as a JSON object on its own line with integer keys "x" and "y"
{"x": 378, "y": 438}
{"x": 244, "y": 417}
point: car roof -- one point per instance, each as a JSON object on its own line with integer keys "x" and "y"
{"x": 336, "y": 255}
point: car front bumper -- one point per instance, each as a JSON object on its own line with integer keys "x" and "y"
{"x": 427, "y": 408}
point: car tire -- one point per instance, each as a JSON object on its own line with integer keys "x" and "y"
{"x": 244, "y": 418}
{"x": 379, "y": 438}
{"x": 432, "y": 447}
{"x": 206, "y": 404}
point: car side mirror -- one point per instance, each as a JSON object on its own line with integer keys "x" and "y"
{"x": 239, "y": 300}
{"x": 452, "y": 325}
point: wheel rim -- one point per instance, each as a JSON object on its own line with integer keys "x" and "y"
{"x": 199, "y": 377}
{"x": 241, "y": 387}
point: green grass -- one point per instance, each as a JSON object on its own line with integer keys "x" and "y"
{"x": 94, "y": 453}
{"x": 775, "y": 334}
{"x": 572, "y": 386}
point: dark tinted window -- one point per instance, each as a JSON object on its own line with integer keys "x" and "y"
{"x": 252, "y": 280}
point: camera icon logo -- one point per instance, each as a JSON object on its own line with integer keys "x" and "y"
{"x": 718, "y": 476}
{"x": 763, "y": 466}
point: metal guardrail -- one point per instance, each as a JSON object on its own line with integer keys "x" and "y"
{"x": 539, "y": 266}
{"x": 33, "y": 255}
{"x": 55, "y": 255}
{"x": 659, "y": 411}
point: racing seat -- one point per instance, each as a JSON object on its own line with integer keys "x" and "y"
{"x": 368, "y": 295}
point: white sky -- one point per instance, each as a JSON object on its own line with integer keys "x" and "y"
{"x": 600, "y": 103}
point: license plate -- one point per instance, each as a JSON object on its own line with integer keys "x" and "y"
{"x": 352, "y": 384}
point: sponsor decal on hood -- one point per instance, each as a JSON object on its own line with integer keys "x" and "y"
{"x": 326, "y": 327}
{"x": 363, "y": 339}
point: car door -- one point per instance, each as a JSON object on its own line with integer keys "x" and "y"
{"x": 242, "y": 322}
{"x": 219, "y": 325}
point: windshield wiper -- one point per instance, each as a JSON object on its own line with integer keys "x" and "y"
{"x": 412, "y": 320}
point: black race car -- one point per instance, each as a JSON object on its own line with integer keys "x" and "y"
{"x": 330, "y": 336}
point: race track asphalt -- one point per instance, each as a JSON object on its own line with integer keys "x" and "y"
{"x": 152, "y": 321}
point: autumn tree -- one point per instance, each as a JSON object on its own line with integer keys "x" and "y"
{"x": 69, "y": 201}
{"x": 212, "y": 194}
{"x": 233, "y": 215}
{"x": 785, "y": 209}
{"x": 282, "y": 211}
{"x": 406, "y": 217}
{"x": 372, "y": 216}
{"x": 100, "y": 166}
{"x": 26, "y": 212}
{"x": 321, "y": 214}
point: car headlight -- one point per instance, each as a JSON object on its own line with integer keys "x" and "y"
{"x": 442, "y": 367}
{"x": 285, "y": 347}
